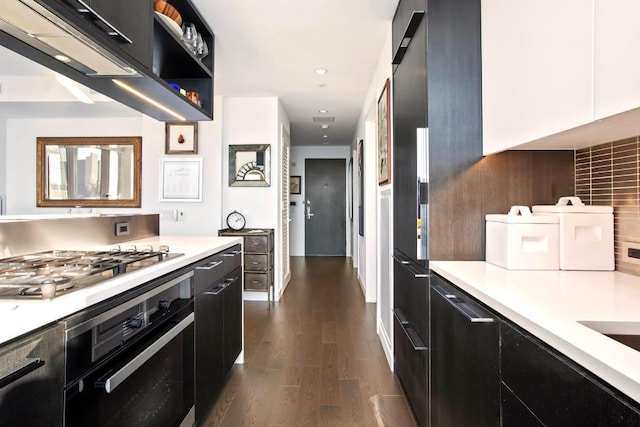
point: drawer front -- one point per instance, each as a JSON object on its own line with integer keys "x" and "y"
{"x": 232, "y": 258}
{"x": 208, "y": 272}
{"x": 256, "y": 281}
{"x": 256, "y": 244}
{"x": 557, "y": 390}
{"x": 254, "y": 262}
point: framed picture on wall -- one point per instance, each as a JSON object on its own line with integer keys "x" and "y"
{"x": 384, "y": 135}
{"x": 181, "y": 138}
{"x": 294, "y": 184}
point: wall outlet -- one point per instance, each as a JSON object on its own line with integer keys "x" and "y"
{"x": 166, "y": 216}
{"x": 631, "y": 252}
{"x": 182, "y": 216}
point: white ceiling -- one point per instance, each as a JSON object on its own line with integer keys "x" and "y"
{"x": 262, "y": 49}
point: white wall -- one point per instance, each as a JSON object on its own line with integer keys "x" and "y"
{"x": 202, "y": 218}
{"x": 3, "y": 162}
{"x": 296, "y": 167}
{"x": 369, "y": 253}
{"x": 255, "y": 120}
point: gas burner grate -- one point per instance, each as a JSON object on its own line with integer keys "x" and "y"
{"x": 45, "y": 274}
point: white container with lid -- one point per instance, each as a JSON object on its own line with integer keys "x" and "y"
{"x": 586, "y": 234}
{"x": 522, "y": 241}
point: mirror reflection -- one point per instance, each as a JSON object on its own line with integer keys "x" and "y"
{"x": 249, "y": 165}
{"x": 95, "y": 172}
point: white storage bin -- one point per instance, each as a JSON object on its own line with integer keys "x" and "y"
{"x": 586, "y": 234}
{"x": 522, "y": 241}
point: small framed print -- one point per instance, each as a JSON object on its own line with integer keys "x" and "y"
{"x": 181, "y": 138}
{"x": 384, "y": 135}
{"x": 181, "y": 179}
{"x": 294, "y": 184}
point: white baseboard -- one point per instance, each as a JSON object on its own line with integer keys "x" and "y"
{"x": 387, "y": 344}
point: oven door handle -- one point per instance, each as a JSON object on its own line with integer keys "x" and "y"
{"x": 127, "y": 370}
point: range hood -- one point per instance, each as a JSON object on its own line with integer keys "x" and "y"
{"x": 37, "y": 26}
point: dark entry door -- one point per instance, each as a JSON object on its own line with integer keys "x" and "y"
{"x": 325, "y": 207}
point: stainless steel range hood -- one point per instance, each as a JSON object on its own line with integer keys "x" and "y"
{"x": 37, "y": 26}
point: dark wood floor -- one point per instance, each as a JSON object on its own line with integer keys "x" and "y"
{"x": 314, "y": 358}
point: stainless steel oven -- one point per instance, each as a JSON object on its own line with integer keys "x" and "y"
{"x": 130, "y": 360}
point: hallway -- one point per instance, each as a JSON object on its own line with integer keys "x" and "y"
{"x": 314, "y": 359}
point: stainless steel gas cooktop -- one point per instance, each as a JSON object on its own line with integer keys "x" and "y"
{"x": 49, "y": 274}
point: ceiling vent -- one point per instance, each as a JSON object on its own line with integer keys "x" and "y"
{"x": 37, "y": 26}
{"x": 324, "y": 119}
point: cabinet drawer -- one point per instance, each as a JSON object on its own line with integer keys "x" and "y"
{"x": 557, "y": 390}
{"x": 256, "y": 244}
{"x": 253, "y": 262}
{"x": 256, "y": 281}
{"x": 232, "y": 258}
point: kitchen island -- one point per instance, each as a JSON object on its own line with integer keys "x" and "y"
{"x": 571, "y": 311}
{"x": 22, "y": 316}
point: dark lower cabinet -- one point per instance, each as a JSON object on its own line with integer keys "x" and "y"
{"x": 514, "y": 412}
{"x": 558, "y": 391}
{"x": 411, "y": 367}
{"x": 32, "y": 379}
{"x": 232, "y": 296}
{"x": 218, "y": 326}
{"x": 465, "y": 359}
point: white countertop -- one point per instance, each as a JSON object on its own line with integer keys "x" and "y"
{"x": 550, "y": 305}
{"x": 19, "y": 316}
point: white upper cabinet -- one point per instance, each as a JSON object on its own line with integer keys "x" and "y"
{"x": 616, "y": 56}
{"x": 537, "y": 69}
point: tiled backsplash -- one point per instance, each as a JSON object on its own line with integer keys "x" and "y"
{"x": 608, "y": 174}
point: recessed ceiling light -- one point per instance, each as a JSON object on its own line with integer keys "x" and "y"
{"x": 62, "y": 58}
{"x": 325, "y": 126}
{"x": 321, "y": 71}
{"x": 325, "y": 136}
{"x": 323, "y": 111}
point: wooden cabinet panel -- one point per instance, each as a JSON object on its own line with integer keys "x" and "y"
{"x": 514, "y": 412}
{"x": 409, "y": 114}
{"x": 557, "y": 390}
{"x": 537, "y": 69}
{"x": 465, "y": 364}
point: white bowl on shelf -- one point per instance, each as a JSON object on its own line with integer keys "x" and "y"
{"x": 173, "y": 25}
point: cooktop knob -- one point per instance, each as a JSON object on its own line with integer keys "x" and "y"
{"x": 164, "y": 304}
{"x": 134, "y": 323}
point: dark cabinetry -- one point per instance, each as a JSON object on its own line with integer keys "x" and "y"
{"x": 544, "y": 386}
{"x": 465, "y": 364}
{"x": 258, "y": 258}
{"x": 218, "y": 326}
{"x": 137, "y": 38}
{"x": 32, "y": 379}
{"x": 124, "y": 25}
{"x": 411, "y": 332}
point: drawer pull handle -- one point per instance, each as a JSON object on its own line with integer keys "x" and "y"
{"x": 255, "y": 282}
{"x": 255, "y": 263}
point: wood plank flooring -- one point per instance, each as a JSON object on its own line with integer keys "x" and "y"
{"x": 314, "y": 358}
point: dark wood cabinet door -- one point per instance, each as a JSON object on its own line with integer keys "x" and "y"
{"x": 411, "y": 368}
{"x": 557, "y": 390}
{"x": 411, "y": 294}
{"x": 232, "y": 319}
{"x": 465, "y": 364}
{"x": 133, "y": 19}
{"x": 514, "y": 412}
{"x": 409, "y": 115}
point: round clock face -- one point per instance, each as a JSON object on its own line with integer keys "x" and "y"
{"x": 236, "y": 221}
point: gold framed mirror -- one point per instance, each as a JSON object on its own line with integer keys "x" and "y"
{"x": 100, "y": 172}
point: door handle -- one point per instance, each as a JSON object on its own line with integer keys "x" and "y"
{"x": 309, "y": 214}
